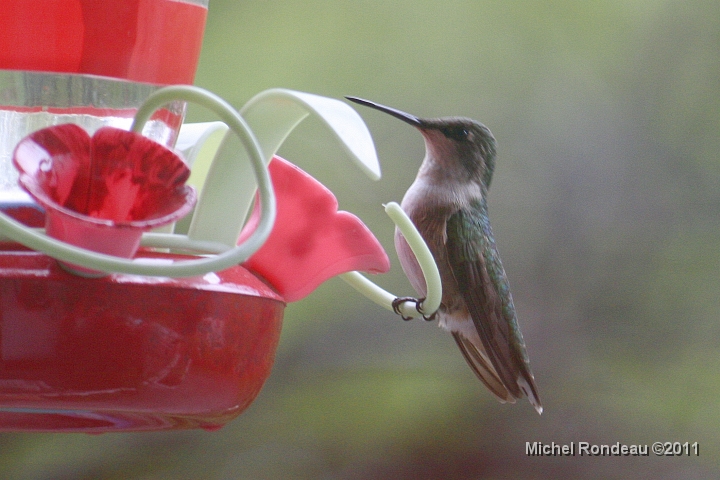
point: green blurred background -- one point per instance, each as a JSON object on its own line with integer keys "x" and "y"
{"x": 605, "y": 208}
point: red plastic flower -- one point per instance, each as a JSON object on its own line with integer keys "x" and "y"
{"x": 117, "y": 176}
{"x": 102, "y": 192}
{"x": 311, "y": 240}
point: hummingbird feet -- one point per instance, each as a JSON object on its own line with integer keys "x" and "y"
{"x": 418, "y": 306}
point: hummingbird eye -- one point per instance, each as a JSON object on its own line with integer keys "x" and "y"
{"x": 457, "y": 133}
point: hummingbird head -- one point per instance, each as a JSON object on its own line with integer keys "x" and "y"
{"x": 452, "y": 142}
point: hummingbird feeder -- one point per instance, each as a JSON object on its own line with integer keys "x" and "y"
{"x": 116, "y": 315}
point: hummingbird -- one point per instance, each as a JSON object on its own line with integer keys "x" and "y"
{"x": 447, "y": 202}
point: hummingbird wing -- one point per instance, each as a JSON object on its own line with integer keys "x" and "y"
{"x": 482, "y": 282}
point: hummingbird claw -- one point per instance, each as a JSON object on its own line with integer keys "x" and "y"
{"x": 399, "y": 301}
{"x": 418, "y": 306}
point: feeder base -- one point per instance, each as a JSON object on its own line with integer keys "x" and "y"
{"x": 130, "y": 353}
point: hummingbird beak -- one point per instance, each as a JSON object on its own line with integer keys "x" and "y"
{"x": 405, "y": 117}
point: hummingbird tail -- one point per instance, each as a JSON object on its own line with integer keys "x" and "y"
{"x": 483, "y": 369}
